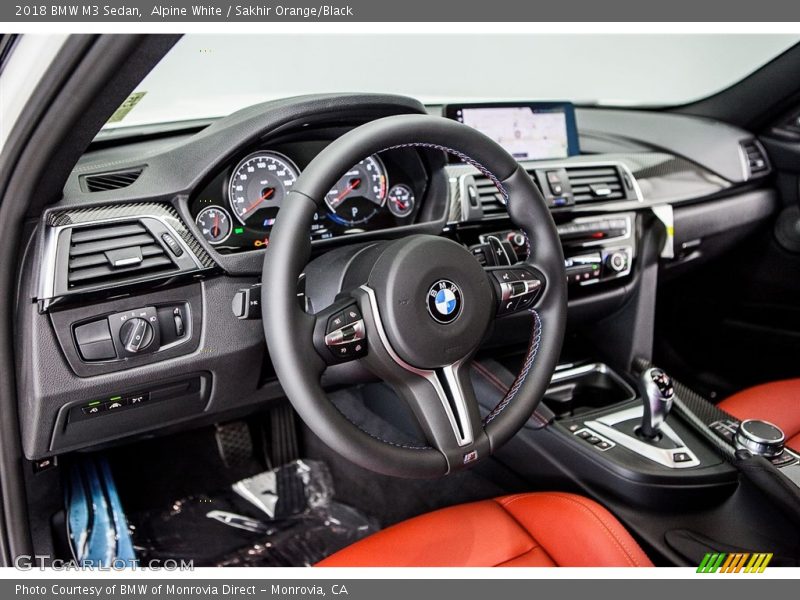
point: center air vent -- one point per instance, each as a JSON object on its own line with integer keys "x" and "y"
{"x": 490, "y": 197}
{"x": 595, "y": 184}
{"x": 114, "y": 253}
{"x": 563, "y": 185}
{"x": 755, "y": 158}
{"x": 103, "y": 182}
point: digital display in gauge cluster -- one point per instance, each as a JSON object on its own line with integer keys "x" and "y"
{"x": 237, "y": 210}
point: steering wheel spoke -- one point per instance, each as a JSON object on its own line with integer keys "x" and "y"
{"x": 444, "y": 404}
{"x": 518, "y": 287}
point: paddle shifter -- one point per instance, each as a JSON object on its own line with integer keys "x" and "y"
{"x": 657, "y": 393}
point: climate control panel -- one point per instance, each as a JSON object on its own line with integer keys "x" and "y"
{"x": 598, "y": 249}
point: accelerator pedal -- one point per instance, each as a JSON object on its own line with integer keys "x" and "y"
{"x": 284, "y": 449}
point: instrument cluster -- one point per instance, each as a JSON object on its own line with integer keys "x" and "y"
{"x": 236, "y": 210}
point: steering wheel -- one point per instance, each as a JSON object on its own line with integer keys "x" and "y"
{"x": 414, "y": 310}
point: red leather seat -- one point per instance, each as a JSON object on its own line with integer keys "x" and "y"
{"x": 526, "y": 530}
{"x": 777, "y": 402}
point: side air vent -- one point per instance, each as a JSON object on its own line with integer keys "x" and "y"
{"x": 112, "y": 254}
{"x": 595, "y": 184}
{"x": 103, "y": 182}
{"x": 755, "y": 158}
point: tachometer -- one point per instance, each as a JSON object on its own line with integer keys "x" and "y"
{"x": 214, "y": 224}
{"x": 258, "y": 185}
{"x": 358, "y": 195}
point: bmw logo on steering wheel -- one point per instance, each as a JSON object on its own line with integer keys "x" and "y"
{"x": 444, "y": 301}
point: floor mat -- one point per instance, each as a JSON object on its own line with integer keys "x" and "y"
{"x": 283, "y": 517}
{"x": 95, "y": 522}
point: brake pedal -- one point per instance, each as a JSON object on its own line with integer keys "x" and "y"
{"x": 234, "y": 443}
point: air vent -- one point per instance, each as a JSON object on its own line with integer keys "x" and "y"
{"x": 102, "y": 182}
{"x": 595, "y": 184}
{"x": 490, "y": 198}
{"x": 755, "y": 158}
{"x": 116, "y": 253}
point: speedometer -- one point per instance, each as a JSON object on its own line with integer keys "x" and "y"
{"x": 258, "y": 186}
{"x": 358, "y": 195}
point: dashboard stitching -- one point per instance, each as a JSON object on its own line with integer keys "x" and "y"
{"x": 536, "y": 338}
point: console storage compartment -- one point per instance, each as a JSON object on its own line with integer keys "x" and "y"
{"x": 581, "y": 389}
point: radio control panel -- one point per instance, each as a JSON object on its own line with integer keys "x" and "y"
{"x": 598, "y": 249}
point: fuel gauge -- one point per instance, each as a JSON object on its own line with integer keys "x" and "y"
{"x": 401, "y": 200}
{"x": 214, "y": 224}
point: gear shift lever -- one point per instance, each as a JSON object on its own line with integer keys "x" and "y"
{"x": 657, "y": 392}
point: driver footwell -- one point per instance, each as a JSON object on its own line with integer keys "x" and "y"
{"x": 282, "y": 517}
{"x": 200, "y": 497}
{"x": 265, "y": 493}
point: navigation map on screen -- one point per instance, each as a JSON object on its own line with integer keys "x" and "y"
{"x": 526, "y": 134}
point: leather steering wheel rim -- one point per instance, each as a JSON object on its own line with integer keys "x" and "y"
{"x": 289, "y": 330}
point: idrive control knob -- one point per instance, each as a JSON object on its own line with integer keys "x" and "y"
{"x": 136, "y": 334}
{"x": 760, "y": 438}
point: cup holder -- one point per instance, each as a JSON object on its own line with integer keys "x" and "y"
{"x": 577, "y": 390}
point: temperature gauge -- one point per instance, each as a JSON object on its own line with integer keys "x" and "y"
{"x": 401, "y": 200}
{"x": 215, "y": 224}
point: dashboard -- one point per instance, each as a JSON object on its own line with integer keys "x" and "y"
{"x": 171, "y": 229}
{"x": 236, "y": 209}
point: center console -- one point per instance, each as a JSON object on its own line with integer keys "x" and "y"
{"x": 682, "y": 474}
{"x": 635, "y": 424}
{"x": 594, "y": 431}
{"x": 740, "y": 439}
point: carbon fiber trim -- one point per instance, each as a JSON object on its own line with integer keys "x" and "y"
{"x": 68, "y": 217}
{"x": 456, "y": 213}
{"x": 657, "y": 164}
{"x": 701, "y": 413}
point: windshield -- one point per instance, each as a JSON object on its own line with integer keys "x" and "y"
{"x": 206, "y": 76}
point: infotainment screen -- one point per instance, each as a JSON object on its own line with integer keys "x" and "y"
{"x": 528, "y": 131}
